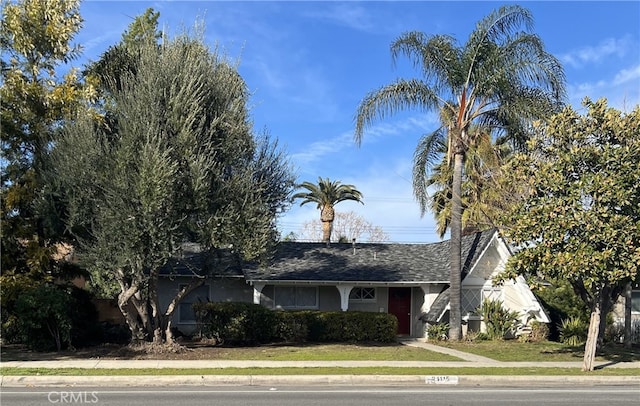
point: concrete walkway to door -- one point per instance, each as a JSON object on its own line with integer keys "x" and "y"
{"x": 421, "y": 343}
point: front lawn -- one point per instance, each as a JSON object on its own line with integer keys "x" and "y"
{"x": 514, "y": 350}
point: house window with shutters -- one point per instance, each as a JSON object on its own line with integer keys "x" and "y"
{"x": 362, "y": 295}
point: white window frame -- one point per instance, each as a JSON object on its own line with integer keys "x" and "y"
{"x": 183, "y": 302}
{"x": 295, "y": 295}
{"x": 356, "y": 295}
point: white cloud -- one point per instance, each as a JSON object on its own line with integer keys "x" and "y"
{"x": 622, "y": 90}
{"x": 595, "y": 54}
{"x": 628, "y": 75}
{"x": 348, "y": 15}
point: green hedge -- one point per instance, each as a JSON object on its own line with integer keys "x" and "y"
{"x": 236, "y": 323}
{"x": 251, "y": 324}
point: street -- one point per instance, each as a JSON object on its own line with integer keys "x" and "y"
{"x": 323, "y": 396}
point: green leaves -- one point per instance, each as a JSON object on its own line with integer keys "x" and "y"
{"x": 581, "y": 217}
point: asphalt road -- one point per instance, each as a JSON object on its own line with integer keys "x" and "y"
{"x": 323, "y": 396}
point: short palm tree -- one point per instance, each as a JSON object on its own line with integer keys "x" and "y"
{"x": 501, "y": 79}
{"x": 326, "y": 194}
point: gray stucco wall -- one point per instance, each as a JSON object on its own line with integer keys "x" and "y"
{"x": 217, "y": 290}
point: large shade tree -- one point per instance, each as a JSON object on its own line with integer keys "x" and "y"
{"x": 500, "y": 80}
{"x": 326, "y": 194}
{"x": 36, "y": 38}
{"x": 176, "y": 162}
{"x": 580, "y": 221}
{"x": 37, "y": 91}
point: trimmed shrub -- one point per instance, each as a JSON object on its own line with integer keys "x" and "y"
{"x": 236, "y": 323}
{"x": 355, "y": 327}
{"x": 251, "y": 324}
{"x": 339, "y": 326}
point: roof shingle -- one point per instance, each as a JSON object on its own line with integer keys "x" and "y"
{"x": 298, "y": 261}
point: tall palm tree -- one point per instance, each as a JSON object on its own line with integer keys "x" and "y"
{"x": 326, "y": 194}
{"x": 484, "y": 196}
{"x": 501, "y": 79}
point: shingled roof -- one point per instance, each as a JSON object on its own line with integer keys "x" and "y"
{"x": 367, "y": 262}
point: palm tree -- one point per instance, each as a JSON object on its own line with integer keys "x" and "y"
{"x": 501, "y": 79}
{"x": 483, "y": 196}
{"x": 326, "y": 194}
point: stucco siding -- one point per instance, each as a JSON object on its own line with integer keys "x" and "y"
{"x": 417, "y": 301}
{"x": 512, "y": 299}
{"x": 381, "y": 302}
{"x": 231, "y": 290}
{"x": 329, "y": 299}
{"x": 214, "y": 290}
{"x": 490, "y": 263}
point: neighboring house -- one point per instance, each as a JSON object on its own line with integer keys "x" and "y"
{"x": 407, "y": 280}
{"x": 619, "y": 312}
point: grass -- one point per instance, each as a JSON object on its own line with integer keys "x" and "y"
{"x": 510, "y": 350}
{"x": 493, "y": 371}
{"x": 334, "y": 352}
{"x": 513, "y": 350}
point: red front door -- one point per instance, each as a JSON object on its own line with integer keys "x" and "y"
{"x": 400, "y": 306}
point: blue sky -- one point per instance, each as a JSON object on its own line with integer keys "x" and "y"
{"x": 308, "y": 64}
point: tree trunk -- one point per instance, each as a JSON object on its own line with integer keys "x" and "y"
{"x": 154, "y": 304}
{"x": 327, "y": 227}
{"x": 455, "y": 317}
{"x": 627, "y": 316}
{"x": 327, "y": 215}
{"x": 137, "y": 331}
{"x": 592, "y": 336}
{"x": 127, "y": 291}
{"x": 168, "y": 333}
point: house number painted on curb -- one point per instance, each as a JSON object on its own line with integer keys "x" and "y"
{"x": 441, "y": 380}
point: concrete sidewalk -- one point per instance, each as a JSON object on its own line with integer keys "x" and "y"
{"x": 466, "y": 361}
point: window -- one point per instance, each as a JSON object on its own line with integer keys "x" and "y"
{"x": 363, "y": 295}
{"x": 296, "y": 297}
{"x": 470, "y": 299}
{"x": 199, "y": 294}
{"x": 635, "y": 301}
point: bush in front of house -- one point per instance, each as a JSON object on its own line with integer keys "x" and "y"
{"x": 236, "y": 323}
{"x": 55, "y": 317}
{"x": 351, "y": 326}
{"x": 499, "y": 321}
{"x": 438, "y": 331}
{"x": 573, "y": 331}
{"x": 44, "y": 322}
{"x": 251, "y": 324}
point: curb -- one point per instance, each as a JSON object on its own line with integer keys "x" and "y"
{"x": 347, "y": 380}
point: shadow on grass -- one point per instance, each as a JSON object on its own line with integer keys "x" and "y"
{"x": 612, "y": 352}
